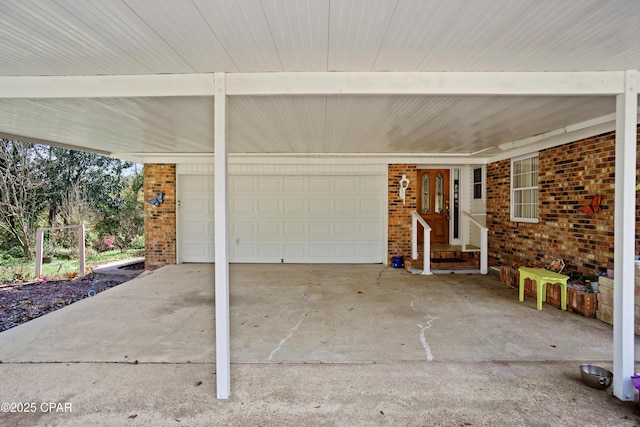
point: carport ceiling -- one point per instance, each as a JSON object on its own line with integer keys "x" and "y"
{"x": 159, "y": 37}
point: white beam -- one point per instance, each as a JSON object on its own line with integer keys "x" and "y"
{"x": 31, "y": 140}
{"x": 427, "y": 83}
{"x": 156, "y": 85}
{"x": 624, "y": 246}
{"x": 316, "y": 83}
{"x": 223, "y": 352}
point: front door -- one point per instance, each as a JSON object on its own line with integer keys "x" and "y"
{"x": 433, "y": 202}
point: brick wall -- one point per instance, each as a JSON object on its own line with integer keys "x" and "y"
{"x": 399, "y": 240}
{"x": 160, "y": 222}
{"x": 569, "y": 176}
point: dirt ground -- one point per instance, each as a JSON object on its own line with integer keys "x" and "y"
{"x": 20, "y": 303}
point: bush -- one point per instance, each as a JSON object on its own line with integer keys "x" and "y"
{"x": 138, "y": 242}
{"x": 13, "y": 252}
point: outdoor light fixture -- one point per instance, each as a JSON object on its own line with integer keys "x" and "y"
{"x": 404, "y": 184}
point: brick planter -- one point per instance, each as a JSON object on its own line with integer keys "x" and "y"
{"x": 579, "y": 302}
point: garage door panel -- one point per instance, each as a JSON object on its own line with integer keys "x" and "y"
{"x": 372, "y": 184}
{"x": 294, "y": 207}
{"x": 268, "y": 206}
{"x": 370, "y": 251}
{"x": 196, "y": 250}
{"x": 320, "y": 251}
{"x": 239, "y": 207}
{"x": 370, "y": 205}
{"x": 269, "y": 183}
{"x": 320, "y": 183}
{"x": 242, "y": 183}
{"x": 346, "y": 251}
{"x": 320, "y": 230}
{"x": 346, "y": 183}
{"x": 368, "y": 230}
{"x": 319, "y": 206}
{"x": 298, "y": 184}
{"x": 195, "y": 228}
{"x": 269, "y": 229}
{"x": 243, "y": 251}
{"x": 195, "y": 216}
{"x": 243, "y": 229}
{"x": 295, "y": 230}
{"x": 346, "y": 228}
{"x": 269, "y": 250}
{"x": 194, "y": 206}
{"x": 295, "y": 251}
{"x": 346, "y": 207}
{"x": 197, "y": 183}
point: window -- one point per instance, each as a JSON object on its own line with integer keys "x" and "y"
{"x": 477, "y": 183}
{"x": 524, "y": 189}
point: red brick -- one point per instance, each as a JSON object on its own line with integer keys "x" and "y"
{"x": 160, "y": 222}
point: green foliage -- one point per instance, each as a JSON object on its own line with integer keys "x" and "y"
{"x": 22, "y": 192}
{"x": 19, "y": 269}
{"x": 138, "y": 242}
{"x": 67, "y": 187}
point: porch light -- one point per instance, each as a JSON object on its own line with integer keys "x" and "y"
{"x": 404, "y": 184}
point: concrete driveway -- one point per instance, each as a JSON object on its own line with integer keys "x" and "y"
{"x": 310, "y": 345}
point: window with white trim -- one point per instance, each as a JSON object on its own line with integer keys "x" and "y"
{"x": 524, "y": 188}
{"x": 477, "y": 183}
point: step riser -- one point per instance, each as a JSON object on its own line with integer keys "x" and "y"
{"x": 451, "y": 260}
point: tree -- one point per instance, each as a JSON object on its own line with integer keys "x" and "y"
{"x": 59, "y": 186}
{"x": 131, "y": 219}
{"x": 101, "y": 179}
{"x": 22, "y": 181}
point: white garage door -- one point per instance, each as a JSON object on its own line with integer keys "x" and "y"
{"x": 320, "y": 219}
{"x": 290, "y": 218}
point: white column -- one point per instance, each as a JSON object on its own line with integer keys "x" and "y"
{"x": 39, "y": 250}
{"x": 624, "y": 265}
{"x": 223, "y": 353}
{"x": 81, "y": 250}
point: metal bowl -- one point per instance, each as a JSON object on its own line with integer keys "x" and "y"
{"x": 595, "y": 376}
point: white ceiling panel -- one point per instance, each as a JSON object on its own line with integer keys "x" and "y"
{"x": 181, "y": 25}
{"x": 243, "y": 29}
{"x": 398, "y": 124}
{"x": 152, "y": 125}
{"x": 150, "y": 37}
{"x": 96, "y": 37}
{"x": 299, "y": 31}
{"x": 356, "y": 31}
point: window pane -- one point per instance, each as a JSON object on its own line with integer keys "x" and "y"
{"x": 426, "y": 194}
{"x": 439, "y": 201}
{"x": 516, "y": 168}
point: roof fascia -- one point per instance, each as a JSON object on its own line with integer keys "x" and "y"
{"x": 427, "y": 83}
{"x": 317, "y": 83}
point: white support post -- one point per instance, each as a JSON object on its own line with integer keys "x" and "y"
{"x": 624, "y": 261}
{"x": 81, "y": 250}
{"x": 484, "y": 251}
{"x": 414, "y": 237}
{"x": 223, "y": 352}
{"x": 415, "y": 219}
{"x": 426, "y": 270}
{"x": 39, "y": 250}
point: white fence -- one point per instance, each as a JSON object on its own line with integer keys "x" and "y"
{"x": 40, "y": 246}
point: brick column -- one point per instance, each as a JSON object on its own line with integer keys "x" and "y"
{"x": 399, "y": 237}
{"x": 160, "y": 222}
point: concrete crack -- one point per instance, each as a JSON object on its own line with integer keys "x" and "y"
{"x": 293, "y": 330}
{"x": 423, "y": 328}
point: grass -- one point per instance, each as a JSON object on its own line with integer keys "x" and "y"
{"x": 21, "y": 270}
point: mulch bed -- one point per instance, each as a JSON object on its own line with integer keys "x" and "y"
{"x": 20, "y": 303}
